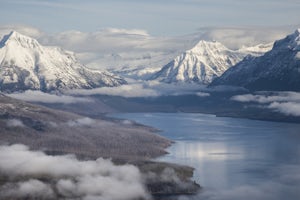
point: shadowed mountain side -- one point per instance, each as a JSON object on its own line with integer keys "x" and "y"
{"x": 276, "y": 70}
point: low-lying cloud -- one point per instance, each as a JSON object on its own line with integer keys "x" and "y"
{"x": 86, "y": 121}
{"x": 145, "y": 89}
{"x": 202, "y": 94}
{"x": 288, "y": 108}
{"x": 268, "y": 98}
{"x": 131, "y": 90}
{"x": 35, "y": 175}
{"x": 287, "y": 103}
{"x": 41, "y": 97}
{"x": 14, "y": 123}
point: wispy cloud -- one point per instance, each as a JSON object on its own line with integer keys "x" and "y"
{"x": 63, "y": 15}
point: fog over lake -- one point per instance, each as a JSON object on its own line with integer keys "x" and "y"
{"x": 233, "y": 158}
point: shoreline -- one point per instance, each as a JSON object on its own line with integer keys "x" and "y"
{"x": 58, "y": 132}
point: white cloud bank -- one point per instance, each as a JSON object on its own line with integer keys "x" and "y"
{"x": 86, "y": 121}
{"x": 287, "y": 103}
{"x": 37, "y": 175}
{"x": 38, "y": 96}
{"x": 144, "y": 89}
{"x": 238, "y": 37}
{"x": 14, "y": 123}
{"x": 288, "y": 108}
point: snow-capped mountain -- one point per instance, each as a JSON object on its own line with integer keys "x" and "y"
{"x": 203, "y": 63}
{"x": 278, "y": 69}
{"x": 25, "y": 64}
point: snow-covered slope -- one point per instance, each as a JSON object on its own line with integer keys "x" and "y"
{"x": 278, "y": 69}
{"x": 25, "y": 64}
{"x": 256, "y": 50}
{"x": 202, "y": 64}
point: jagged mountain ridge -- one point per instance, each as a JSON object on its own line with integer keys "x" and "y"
{"x": 204, "y": 62}
{"x": 25, "y": 64}
{"x": 278, "y": 69}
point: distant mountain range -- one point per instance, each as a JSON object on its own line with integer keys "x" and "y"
{"x": 25, "y": 64}
{"x": 204, "y": 62}
{"x": 278, "y": 69}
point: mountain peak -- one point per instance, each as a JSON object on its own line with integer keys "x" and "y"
{"x": 25, "y": 64}
{"x": 11, "y": 36}
{"x": 291, "y": 42}
{"x": 201, "y": 64}
{"x": 205, "y": 42}
{"x": 295, "y": 36}
{"x": 13, "y": 33}
{"x": 277, "y": 69}
{"x": 18, "y": 39}
{"x": 204, "y": 45}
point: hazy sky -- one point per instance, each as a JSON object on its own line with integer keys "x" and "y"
{"x": 158, "y": 17}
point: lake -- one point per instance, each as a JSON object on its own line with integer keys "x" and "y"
{"x": 233, "y": 158}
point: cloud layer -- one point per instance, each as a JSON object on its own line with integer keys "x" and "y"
{"x": 113, "y": 48}
{"x": 38, "y": 96}
{"x": 236, "y": 38}
{"x": 144, "y": 89}
{"x": 159, "y": 17}
{"x": 14, "y": 123}
{"x": 287, "y": 103}
{"x": 37, "y": 175}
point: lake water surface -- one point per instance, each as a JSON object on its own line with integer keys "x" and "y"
{"x": 233, "y": 158}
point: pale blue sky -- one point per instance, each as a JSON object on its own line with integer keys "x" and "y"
{"x": 158, "y": 17}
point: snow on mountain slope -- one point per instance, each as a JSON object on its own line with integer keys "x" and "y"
{"x": 203, "y": 63}
{"x": 256, "y": 50}
{"x": 25, "y": 64}
{"x": 278, "y": 69}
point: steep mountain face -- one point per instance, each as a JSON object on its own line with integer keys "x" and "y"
{"x": 25, "y": 64}
{"x": 278, "y": 69}
{"x": 202, "y": 64}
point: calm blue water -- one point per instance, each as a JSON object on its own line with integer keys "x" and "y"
{"x": 233, "y": 158}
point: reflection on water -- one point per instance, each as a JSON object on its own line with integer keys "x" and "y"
{"x": 233, "y": 156}
{"x": 208, "y": 159}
